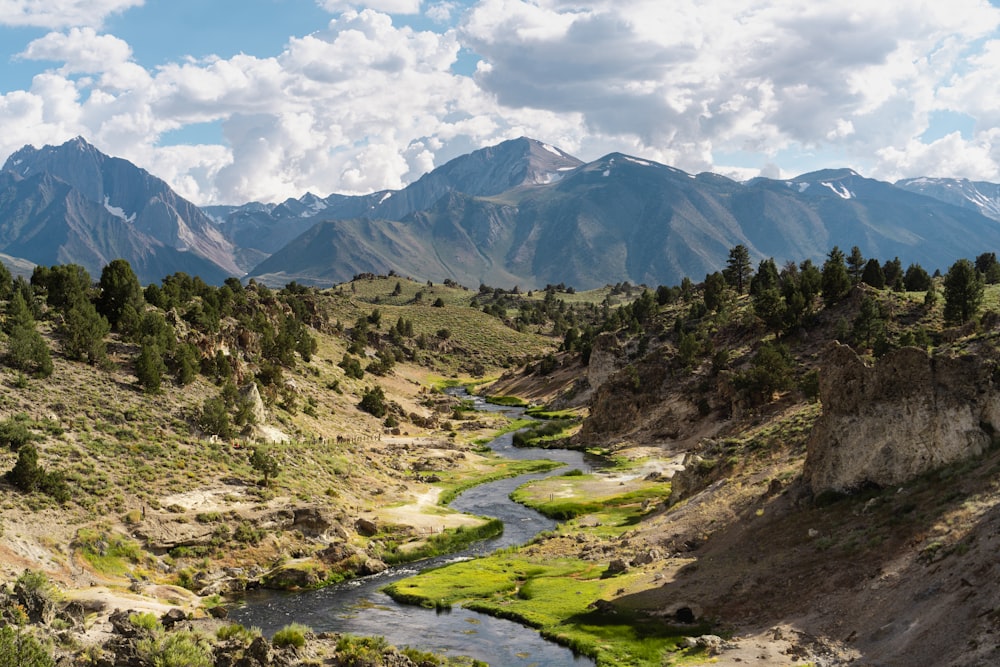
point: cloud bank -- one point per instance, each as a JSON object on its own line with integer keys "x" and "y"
{"x": 366, "y": 102}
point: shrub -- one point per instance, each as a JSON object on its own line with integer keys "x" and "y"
{"x": 291, "y": 635}
{"x": 146, "y": 621}
{"x": 21, "y": 649}
{"x": 373, "y": 402}
{"x": 179, "y": 649}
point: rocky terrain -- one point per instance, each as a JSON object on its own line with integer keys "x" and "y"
{"x": 843, "y": 515}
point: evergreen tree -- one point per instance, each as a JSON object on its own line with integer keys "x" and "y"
{"x": 836, "y": 282}
{"x": 714, "y": 291}
{"x": 26, "y": 474}
{"x": 810, "y": 282}
{"x": 373, "y": 401}
{"x": 185, "y": 363}
{"x": 769, "y": 306}
{"x": 83, "y": 332}
{"x": 149, "y": 366}
{"x": 766, "y": 278}
{"x": 27, "y": 351}
{"x": 63, "y": 285}
{"x": 987, "y": 264}
{"x": 916, "y": 279}
{"x": 738, "y": 269}
{"x": 6, "y": 282}
{"x": 869, "y": 324}
{"x": 873, "y": 274}
{"x": 119, "y": 287}
{"x": 963, "y": 292}
{"x": 893, "y": 270}
{"x": 264, "y": 462}
{"x": 855, "y": 265}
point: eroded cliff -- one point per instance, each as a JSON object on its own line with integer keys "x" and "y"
{"x": 910, "y": 412}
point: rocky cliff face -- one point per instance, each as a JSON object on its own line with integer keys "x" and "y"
{"x": 909, "y": 413}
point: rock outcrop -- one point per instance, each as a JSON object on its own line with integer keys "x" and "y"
{"x": 909, "y": 413}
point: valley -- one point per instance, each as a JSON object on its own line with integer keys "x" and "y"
{"x": 721, "y": 528}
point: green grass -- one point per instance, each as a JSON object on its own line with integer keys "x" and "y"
{"x": 446, "y": 542}
{"x": 510, "y": 401}
{"x": 552, "y": 596}
{"x": 109, "y": 553}
{"x": 455, "y": 483}
{"x": 549, "y": 497}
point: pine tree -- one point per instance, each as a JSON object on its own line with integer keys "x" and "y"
{"x": 26, "y": 349}
{"x": 119, "y": 287}
{"x": 963, "y": 292}
{"x": 83, "y": 333}
{"x": 836, "y": 283}
{"x": 149, "y": 366}
{"x": 855, "y": 265}
{"x": 873, "y": 274}
{"x": 738, "y": 269}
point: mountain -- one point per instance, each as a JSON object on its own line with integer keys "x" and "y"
{"x": 72, "y": 203}
{"x": 519, "y": 213}
{"x": 622, "y": 218}
{"x": 261, "y": 230}
{"x": 976, "y": 195}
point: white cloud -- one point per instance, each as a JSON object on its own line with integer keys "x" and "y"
{"x": 81, "y": 49}
{"x": 56, "y": 14}
{"x": 950, "y": 156}
{"x": 364, "y": 104}
{"x": 764, "y": 76}
{"x": 387, "y": 6}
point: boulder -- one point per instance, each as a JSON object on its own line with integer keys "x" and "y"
{"x": 172, "y": 617}
{"x": 373, "y": 566}
{"x": 366, "y": 527}
{"x": 907, "y": 414}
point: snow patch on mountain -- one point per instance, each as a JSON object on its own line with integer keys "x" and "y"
{"x": 838, "y": 189}
{"x": 638, "y": 161}
{"x": 117, "y": 211}
{"x": 552, "y": 149}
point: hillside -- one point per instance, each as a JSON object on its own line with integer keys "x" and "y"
{"x": 725, "y": 512}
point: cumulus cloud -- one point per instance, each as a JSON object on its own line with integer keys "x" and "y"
{"x": 759, "y": 76}
{"x": 81, "y": 49}
{"x": 387, "y": 6}
{"x": 364, "y": 103}
{"x": 57, "y": 14}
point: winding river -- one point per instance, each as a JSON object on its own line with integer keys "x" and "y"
{"x": 359, "y": 607}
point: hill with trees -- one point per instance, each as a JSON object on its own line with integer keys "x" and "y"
{"x": 187, "y": 440}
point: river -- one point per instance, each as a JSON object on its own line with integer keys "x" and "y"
{"x": 360, "y": 607}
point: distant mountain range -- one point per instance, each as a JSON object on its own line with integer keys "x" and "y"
{"x": 519, "y": 213}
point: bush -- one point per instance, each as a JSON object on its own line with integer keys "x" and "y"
{"x": 291, "y": 635}
{"x": 146, "y": 621}
{"x": 373, "y": 402}
{"x": 179, "y": 649}
{"x": 20, "y": 648}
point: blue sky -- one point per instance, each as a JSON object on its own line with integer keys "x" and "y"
{"x": 232, "y": 101}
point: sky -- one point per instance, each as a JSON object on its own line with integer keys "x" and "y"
{"x": 232, "y": 101}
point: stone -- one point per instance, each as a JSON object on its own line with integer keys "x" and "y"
{"x": 373, "y": 566}
{"x": 172, "y": 617}
{"x": 909, "y": 413}
{"x": 312, "y": 521}
{"x": 366, "y": 527}
{"x": 616, "y": 566}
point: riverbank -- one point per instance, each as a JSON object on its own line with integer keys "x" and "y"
{"x": 561, "y": 582}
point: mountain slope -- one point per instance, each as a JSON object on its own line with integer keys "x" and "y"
{"x": 622, "y": 218}
{"x": 975, "y": 195}
{"x": 158, "y": 229}
{"x": 47, "y": 221}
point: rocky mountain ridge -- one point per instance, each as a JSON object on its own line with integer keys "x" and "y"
{"x": 72, "y": 203}
{"x": 520, "y": 213}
